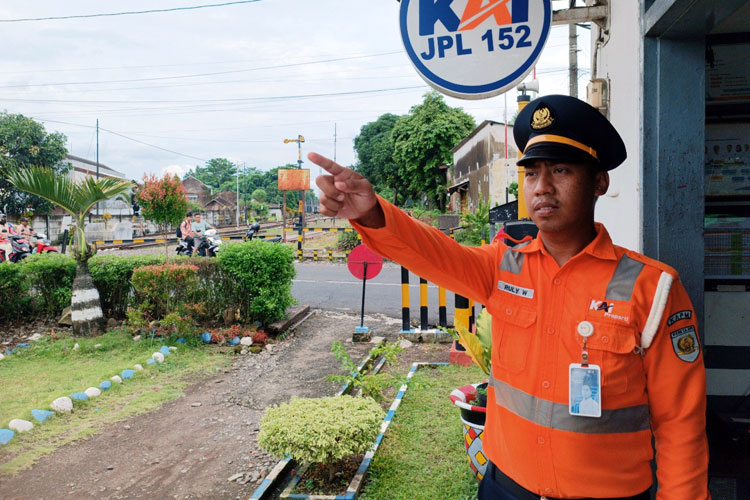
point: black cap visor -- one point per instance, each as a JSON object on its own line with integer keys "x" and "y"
{"x": 556, "y": 152}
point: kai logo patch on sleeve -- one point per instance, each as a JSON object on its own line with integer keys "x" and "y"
{"x": 685, "y": 343}
{"x": 678, "y": 316}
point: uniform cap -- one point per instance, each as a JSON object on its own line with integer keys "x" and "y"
{"x": 566, "y": 129}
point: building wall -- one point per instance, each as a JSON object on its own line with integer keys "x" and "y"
{"x": 197, "y": 191}
{"x": 620, "y": 60}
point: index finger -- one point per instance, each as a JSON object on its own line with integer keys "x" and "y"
{"x": 325, "y": 163}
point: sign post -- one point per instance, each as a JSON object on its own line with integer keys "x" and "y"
{"x": 364, "y": 264}
{"x": 474, "y": 49}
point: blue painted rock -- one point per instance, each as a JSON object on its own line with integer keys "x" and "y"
{"x": 79, "y": 396}
{"x": 150, "y": 361}
{"x": 105, "y": 386}
{"x": 41, "y": 415}
{"x": 181, "y": 340}
{"x": 6, "y": 435}
{"x": 234, "y": 341}
{"x": 22, "y": 345}
{"x": 8, "y": 352}
{"x": 128, "y": 374}
{"x": 165, "y": 350}
{"x": 206, "y": 337}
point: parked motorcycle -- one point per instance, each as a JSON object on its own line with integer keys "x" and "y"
{"x": 254, "y": 230}
{"x": 20, "y": 249}
{"x": 43, "y": 245}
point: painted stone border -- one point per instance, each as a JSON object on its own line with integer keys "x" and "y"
{"x": 281, "y": 467}
{"x": 7, "y": 435}
{"x": 354, "y": 486}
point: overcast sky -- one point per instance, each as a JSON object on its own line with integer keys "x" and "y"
{"x": 230, "y": 81}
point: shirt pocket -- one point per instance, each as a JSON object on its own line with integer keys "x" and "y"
{"x": 516, "y": 333}
{"x": 611, "y": 347}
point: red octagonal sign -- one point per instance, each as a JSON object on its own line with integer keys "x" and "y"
{"x": 357, "y": 259}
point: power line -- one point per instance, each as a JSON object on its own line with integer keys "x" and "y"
{"x": 127, "y": 13}
{"x": 152, "y": 145}
{"x": 197, "y": 75}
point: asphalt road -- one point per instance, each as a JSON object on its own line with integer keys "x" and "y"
{"x": 331, "y": 286}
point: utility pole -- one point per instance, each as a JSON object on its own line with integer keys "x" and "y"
{"x": 237, "y": 214}
{"x": 572, "y": 57}
{"x": 97, "y": 160}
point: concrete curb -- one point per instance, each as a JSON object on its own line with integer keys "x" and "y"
{"x": 294, "y": 315}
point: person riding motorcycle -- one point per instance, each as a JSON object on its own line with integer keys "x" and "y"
{"x": 186, "y": 232}
{"x": 6, "y": 229}
{"x": 199, "y": 228}
{"x": 26, "y": 230}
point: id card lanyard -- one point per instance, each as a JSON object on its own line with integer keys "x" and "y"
{"x": 584, "y": 380}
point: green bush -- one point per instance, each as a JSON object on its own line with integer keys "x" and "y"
{"x": 475, "y": 225}
{"x": 213, "y": 296}
{"x": 258, "y": 279}
{"x": 159, "y": 289}
{"x": 348, "y": 240}
{"x": 112, "y": 274}
{"x": 320, "y": 430}
{"x": 14, "y": 292}
{"x": 51, "y": 277}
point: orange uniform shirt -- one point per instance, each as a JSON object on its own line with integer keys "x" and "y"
{"x": 536, "y": 306}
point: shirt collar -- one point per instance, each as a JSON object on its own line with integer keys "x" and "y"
{"x": 600, "y": 247}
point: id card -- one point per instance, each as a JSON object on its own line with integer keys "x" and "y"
{"x": 584, "y": 390}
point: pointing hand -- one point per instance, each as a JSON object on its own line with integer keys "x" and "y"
{"x": 346, "y": 194}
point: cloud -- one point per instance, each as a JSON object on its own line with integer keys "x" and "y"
{"x": 178, "y": 170}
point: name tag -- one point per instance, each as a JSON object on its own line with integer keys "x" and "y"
{"x": 527, "y": 293}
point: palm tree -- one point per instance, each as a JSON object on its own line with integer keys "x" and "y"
{"x": 76, "y": 198}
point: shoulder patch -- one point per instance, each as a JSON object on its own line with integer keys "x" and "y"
{"x": 685, "y": 343}
{"x": 679, "y": 316}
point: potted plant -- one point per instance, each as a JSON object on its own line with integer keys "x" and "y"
{"x": 472, "y": 398}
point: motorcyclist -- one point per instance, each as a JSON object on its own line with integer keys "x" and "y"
{"x": 25, "y": 230}
{"x": 186, "y": 232}
{"x": 5, "y": 230}
{"x": 199, "y": 228}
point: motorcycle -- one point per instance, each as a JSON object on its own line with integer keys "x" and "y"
{"x": 43, "y": 245}
{"x": 182, "y": 248}
{"x": 255, "y": 229}
{"x": 20, "y": 249}
{"x": 208, "y": 244}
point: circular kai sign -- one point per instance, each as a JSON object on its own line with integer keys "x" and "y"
{"x": 473, "y": 49}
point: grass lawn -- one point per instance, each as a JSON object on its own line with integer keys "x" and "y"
{"x": 32, "y": 378}
{"x": 422, "y": 455}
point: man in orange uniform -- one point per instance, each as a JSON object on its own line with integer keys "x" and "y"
{"x": 568, "y": 309}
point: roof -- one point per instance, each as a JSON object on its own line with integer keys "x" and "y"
{"x": 84, "y": 165}
{"x": 476, "y": 131}
{"x": 196, "y": 180}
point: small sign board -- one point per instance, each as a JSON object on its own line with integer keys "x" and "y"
{"x": 294, "y": 179}
{"x": 474, "y": 49}
{"x": 357, "y": 259}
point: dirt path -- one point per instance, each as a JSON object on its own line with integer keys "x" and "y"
{"x": 190, "y": 447}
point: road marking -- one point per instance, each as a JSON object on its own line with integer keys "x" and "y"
{"x": 359, "y": 283}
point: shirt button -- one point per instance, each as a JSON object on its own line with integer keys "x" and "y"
{"x": 546, "y": 384}
{"x": 551, "y": 330}
{"x": 605, "y": 339}
{"x": 557, "y": 281}
{"x": 548, "y": 490}
{"x": 540, "y": 440}
{"x": 509, "y": 311}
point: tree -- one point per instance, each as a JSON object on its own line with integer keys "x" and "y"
{"x": 217, "y": 173}
{"x": 76, "y": 198}
{"x": 259, "y": 195}
{"x": 422, "y": 143}
{"x": 374, "y": 147}
{"x": 513, "y": 189}
{"x": 23, "y": 143}
{"x": 162, "y": 201}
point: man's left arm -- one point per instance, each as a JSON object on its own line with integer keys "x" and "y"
{"x": 676, "y": 385}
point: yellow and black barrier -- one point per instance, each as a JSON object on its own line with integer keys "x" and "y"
{"x": 423, "y": 304}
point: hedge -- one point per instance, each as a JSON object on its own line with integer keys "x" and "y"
{"x": 253, "y": 277}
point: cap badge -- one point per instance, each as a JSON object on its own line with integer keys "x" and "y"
{"x": 541, "y": 118}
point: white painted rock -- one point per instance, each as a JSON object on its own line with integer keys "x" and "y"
{"x": 172, "y": 348}
{"x": 246, "y": 341}
{"x": 2, "y": 356}
{"x": 138, "y": 368}
{"x": 116, "y": 379}
{"x": 76, "y": 346}
{"x": 93, "y": 392}
{"x": 158, "y": 357}
{"x": 19, "y": 425}
{"x": 62, "y": 405}
{"x": 136, "y": 338}
{"x": 405, "y": 344}
{"x": 35, "y": 337}
{"x": 97, "y": 346}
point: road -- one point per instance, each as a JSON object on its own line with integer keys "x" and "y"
{"x": 331, "y": 286}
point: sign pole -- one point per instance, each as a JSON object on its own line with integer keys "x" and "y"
{"x": 364, "y": 281}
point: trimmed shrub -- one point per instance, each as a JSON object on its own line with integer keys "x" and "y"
{"x": 258, "y": 279}
{"x": 14, "y": 292}
{"x": 51, "y": 278}
{"x": 159, "y": 289}
{"x": 112, "y": 274}
{"x": 348, "y": 240}
{"x": 320, "y": 430}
